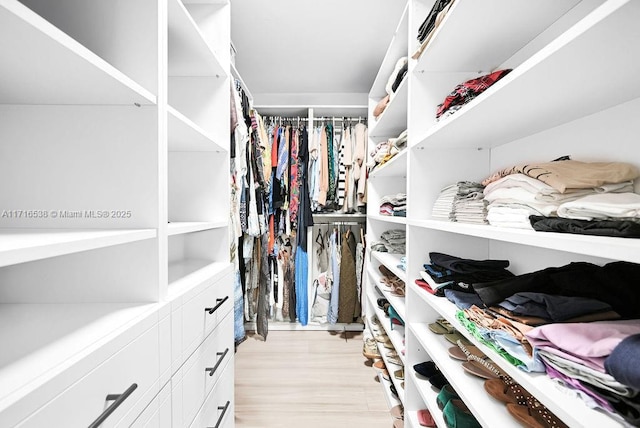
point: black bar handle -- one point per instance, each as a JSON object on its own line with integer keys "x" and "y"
{"x": 213, "y": 369}
{"x": 117, "y": 399}
{"x": 219, "y": 303}
{"x": 224, "y": 410}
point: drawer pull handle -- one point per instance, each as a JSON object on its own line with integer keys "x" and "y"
{"x": 213, "y": 369}
{"x": 219, "y": 303}
{"x": 224, "y": 410}
{"x": 117, "y": 399}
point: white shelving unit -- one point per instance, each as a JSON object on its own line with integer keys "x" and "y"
{"x": 538, "y": 112}
{"x": 114, "y": 127}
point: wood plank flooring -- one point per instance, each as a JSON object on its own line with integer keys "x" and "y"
{"x": 307, "y": 379}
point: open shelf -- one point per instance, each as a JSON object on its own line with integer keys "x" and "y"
{"x": 236, "y": 75}
{"x": 398, "y": 47}
{"x": 41, "y": 341}
{"x": 186, "y": 274}
{"x": 43, "y": 65}
{"x": 625, "y": 249}
{"x": 485, "y": 47}
{"x": 25, "y": 245}
{"x": 189, "y": 52}
{"x": 185, "y": 135}
{"x": 488, "y": 411}
{"x": 428, "y": 394}
{"x": 393, "y": 119}
{"x": 391, "y": 399}
{"x": 395, "y": 167}
{"x": 570, "y": 409}
{"x": 580, "y": 58}
{"x": 391, "y": 261}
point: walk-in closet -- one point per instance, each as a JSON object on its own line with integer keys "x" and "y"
{"x": 313, "y": 213}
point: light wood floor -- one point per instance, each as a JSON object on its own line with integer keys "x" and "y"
{"x": 307, "y": 379}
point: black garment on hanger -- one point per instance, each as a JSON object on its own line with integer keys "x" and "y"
{"x": 305, "y": 216}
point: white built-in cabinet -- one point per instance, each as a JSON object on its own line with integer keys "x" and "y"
{"x": 115, "y": 283}
{"x": 573, "y": 91}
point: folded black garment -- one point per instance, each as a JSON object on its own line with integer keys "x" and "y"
{"x": 616, "y": 228}
{"x": 615, "y": 283}
{"x": 627, "y": 407}
{"x": 430, "y": 21}
{"x": 401, "y": 73}
{"x": 551, "y": 307}
{"x": 467, "y": 266}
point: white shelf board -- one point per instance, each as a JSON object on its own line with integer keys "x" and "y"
{"x": 488, "y": 411}
{"x": 40, "y": 341}
{"x": 514, "y": 23}
{"x": 311, "y": 326}
{"x": 388, "y": 218}
{"x": 188, "y": 273}
{"x": 625, "y": 249}
{"x": 25, "y": 245}
{"x": 396, "y": 167}
{"x": 181, "y": 227}
{"x": 43, "y": 65}
{"x": 429, "y": 395}
{"x": 396, "y": 335}
{"x": 185, "y": 135}
{"x": 397, "y": 302}
{"x": 398, "y": 47}
{"x": 189, "y": 52}
{"x": 391, "y": 399}
{"x": 568, "y": 79}
{"x": 393, "y": 119}
{"x": 571, "y": 410}
{"x": 391, "y": 261}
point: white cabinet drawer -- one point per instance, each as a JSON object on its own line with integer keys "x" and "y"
{"x": 202, "y": 313}
{"x": 158, "y": 412}
{"x": 204, "y": 368}
{"x": 134, "y": 368}
{"x": 218, "y": 409}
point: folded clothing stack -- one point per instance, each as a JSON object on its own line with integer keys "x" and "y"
{"x": 391, "y": 241}
{"x": 385, "y": 151}
{"x": 565, "y": 189}
{"x": 394, "y": 205}
{"x": 462, "y": 202}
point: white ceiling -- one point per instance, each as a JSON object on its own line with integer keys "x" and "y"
{"x": 312, "y": 52}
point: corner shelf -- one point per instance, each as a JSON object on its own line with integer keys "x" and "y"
{"x": 186, "y": 135}
{"x": 182, "y": 227}
{"x": 189, "y": 52}
{"x": 495, "y": 117}
{"x": 43, "y": 65}
{"x": 395, "y": 167}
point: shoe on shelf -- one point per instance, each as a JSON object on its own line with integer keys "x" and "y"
{"x": 475, "y": 368}
{"x": 446, "y": 393}
{"x": 385, "y": 375}
{"x": 457, "y": 415}
{"x": 393, "y": 390}
{"x": 442, "y": 326}
{"x": 458, "y": 354}
{"x": 395, "y": 360}
{"x": 392, "y": 354}
{"x": 507, "y": 392}
{"x": 425, "y": 419}
{"x": 438, "y": 380}
{"x": 397, "y": 411}
{"x": 535, "y": 414}
{"x": 426, "y": 369}
{"x": 370, "y": 349}
{"x": 399, "y": 374}
{"x": 398, "y": 423}
{"x": 388, "y": 345}
{"x": 382, "y": 338}
{"x": 379, "y": 365}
